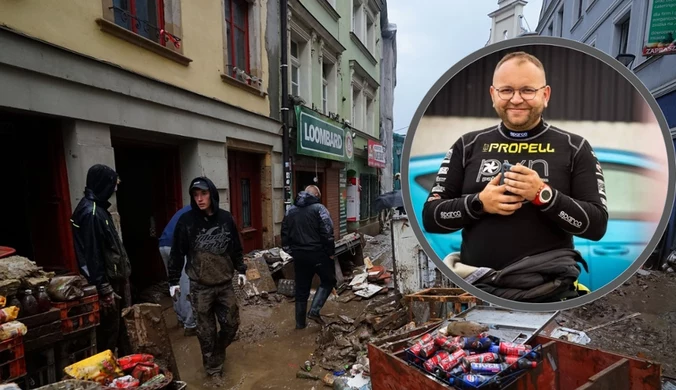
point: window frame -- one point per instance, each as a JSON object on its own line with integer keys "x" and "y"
{"x": 295, "y": 63}
{"x": 131, "y": 25}
{"x": 231, "y": 46}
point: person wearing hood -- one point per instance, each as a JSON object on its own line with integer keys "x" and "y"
{"x": 101, "y": 257}
{"x": 307, "y": 235}
{"x": 206, "y": 241}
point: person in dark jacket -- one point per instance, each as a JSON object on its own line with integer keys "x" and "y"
{"x": 182, "y": 306}
{"x": 206, "y": 240}
{"x": 307, "y": 235}
{"x": 101, "y": 256}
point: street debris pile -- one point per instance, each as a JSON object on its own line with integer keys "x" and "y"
{"x": 19, "y": 273}
{"x": 343, "y": 341}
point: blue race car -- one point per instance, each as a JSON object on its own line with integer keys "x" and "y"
{"x": 632, "y": 219}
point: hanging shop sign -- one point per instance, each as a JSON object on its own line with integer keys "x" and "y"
{"x": 376, "y": 154}
{"x": 322, "y": 137}
{"x": 661, "y": 34}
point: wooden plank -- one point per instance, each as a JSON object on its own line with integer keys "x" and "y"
{"x": 391, "y": 373}
{"x": 615, "y": 377}
{"x": 643, "y": 374}
{"x": 441, "y": 298}
{"x": 545, "y": 375}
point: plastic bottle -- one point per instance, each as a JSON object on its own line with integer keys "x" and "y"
{"x": 469, "y": 381}
{"x": 29, "y": 304}
{"x": 510, "y": 349}
{"x": 44, "y": 303}
{"x": 519, "y": 363}
{"x": 487, "y": 368}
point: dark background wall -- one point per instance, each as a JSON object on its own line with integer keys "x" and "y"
{"x": 583, "y": 88}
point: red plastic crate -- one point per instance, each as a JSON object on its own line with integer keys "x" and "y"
{"x": 80, "y": 314}
{"x": 12, "y": 361}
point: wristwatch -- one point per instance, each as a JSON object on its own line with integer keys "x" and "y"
{"x": 543, "y": 196}
{"x": 476, "y": 205}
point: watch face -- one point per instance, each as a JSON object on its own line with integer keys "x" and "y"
{"x": 477, "y": 205}
{"x": 546, "y": 195}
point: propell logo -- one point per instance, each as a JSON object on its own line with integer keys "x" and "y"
{"x": 570, "y": 219}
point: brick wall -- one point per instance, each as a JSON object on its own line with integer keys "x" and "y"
{"x": 333, "y": 198}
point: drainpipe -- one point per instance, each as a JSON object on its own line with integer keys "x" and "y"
{"x": 283, "y": 10}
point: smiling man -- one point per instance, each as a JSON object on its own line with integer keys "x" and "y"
{"x": 554, "y": 190}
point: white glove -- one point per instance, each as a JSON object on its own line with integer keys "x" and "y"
{"x": 175, "y": 291}
{"x": 241, "y": 279}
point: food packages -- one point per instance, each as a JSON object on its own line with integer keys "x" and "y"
{"x": 127, "y": 363}
{"x": 101, "y": 368}
{"x": 125, "y": 382}
{"x": 12, "y": 329}
{"x": 8, "y": 314}
{"x": 145, "y": 371}
{"x": 3, "y": 301}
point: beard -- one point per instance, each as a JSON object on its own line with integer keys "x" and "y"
{"x": 523, "y": 121}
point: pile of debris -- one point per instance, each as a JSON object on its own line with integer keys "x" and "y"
{"x": 18, "y": 272}
{"x": 369, "y": 280}
{"x": 343, "y": 341}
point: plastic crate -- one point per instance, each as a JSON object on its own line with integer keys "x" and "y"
{"x": 80, "y": 314}
{"x": 75, "y": 348}
{"x": 12, "y": 361}
{"x": 41, "y": 368}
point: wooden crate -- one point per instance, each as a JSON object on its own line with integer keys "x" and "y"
{"x": 459, "y": 299}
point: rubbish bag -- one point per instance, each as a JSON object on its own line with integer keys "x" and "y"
{"x": 66, "y": 288}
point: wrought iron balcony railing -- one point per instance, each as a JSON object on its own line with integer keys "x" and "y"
{"x": 145, "y": 28}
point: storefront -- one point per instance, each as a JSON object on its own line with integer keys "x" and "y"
{"x": 323, "y": 148}
{"x": 363, "y": 178}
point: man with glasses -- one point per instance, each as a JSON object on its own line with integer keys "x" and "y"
{"x": 553, "y": 191}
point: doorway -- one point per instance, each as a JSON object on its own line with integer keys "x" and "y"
{"x": 244, "y": 176}
{"x": 304, "y": 178}
{"x": 35, "y": 201}
{"x": 148, "y": 196}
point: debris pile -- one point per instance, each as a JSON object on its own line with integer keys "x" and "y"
{"x": 343, "y": 341}
{"x": 18, "y": 272}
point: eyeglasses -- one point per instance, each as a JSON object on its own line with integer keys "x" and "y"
{"x": 526, "y": 93}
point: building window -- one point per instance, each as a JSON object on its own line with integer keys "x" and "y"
{"x": 295, "y": 69}
{"x": 624, "y": 36}
{"x": 560, "y": 14}
{"x": 143, "y": 17}
{"x": 329, "y": 86}
{"x": 246, "y": 202}
{"x": 370, "y": 34}
{"x": 357, "y": 109}
{"x": 325, "y": 95}
{"x": 550, "y": 29}
{"x": 237, "y": 35}
{"x": 578, "y": 10}
{"x": 358, "y": 20}
{"x": 370, "y": 112}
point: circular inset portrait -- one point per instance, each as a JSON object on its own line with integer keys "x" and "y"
{"x": 538, "y": 173}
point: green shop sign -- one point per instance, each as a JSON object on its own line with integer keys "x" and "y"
{"x": 661, "y": 37}
{"x": 322, "y": 137}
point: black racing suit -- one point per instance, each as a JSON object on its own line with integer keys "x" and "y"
{"x": 213, "y": 251}
{"x": 307, "y": 235}
{"x": 101, "y": 256}
{"x": 565, "y": 161}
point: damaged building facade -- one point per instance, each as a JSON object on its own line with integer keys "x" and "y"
{"x": 162, "y": 91}
{"x": 335, "y": 51}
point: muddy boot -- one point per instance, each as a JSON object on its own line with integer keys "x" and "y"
{"x": 318, "y": 302}
{"x": 190, "y": 332}
{"x": 301, "y": 309}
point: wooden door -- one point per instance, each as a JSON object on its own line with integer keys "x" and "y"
{"x": 244, "y": 175}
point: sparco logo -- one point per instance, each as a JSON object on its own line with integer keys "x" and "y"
{"x": 450, "y": 214}
{"x": 570, "y": 219}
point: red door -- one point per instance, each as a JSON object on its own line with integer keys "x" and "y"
{"x": 244, "y": 175}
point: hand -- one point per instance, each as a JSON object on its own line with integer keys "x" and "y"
{"x": 175, "y": 292}
{"x": 496, "y": 202}
{"x": 523, "y": 181}
{"x": 108, "y": 302}
{"x": 241, "y": 279}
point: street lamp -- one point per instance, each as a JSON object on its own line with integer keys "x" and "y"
{"x": 625, "y": 59}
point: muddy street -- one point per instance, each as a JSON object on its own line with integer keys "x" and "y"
{"x": 268, "y": 352}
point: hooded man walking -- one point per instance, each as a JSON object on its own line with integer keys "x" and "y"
{"x": 207, "y": 241}
{"x": 101, "y": 256}
{"x": 307, "y": 235}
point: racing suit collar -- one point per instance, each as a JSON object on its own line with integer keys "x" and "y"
{"x": 516, "y": 135}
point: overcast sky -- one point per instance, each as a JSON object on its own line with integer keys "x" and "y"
{"x": 432, "y": 35}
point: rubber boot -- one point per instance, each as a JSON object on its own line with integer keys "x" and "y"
{"x": 318, "y": 302}
{"x": 301, "y": 308}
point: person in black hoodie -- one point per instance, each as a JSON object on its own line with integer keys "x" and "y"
{"x": 101, "y": 256}
{"x": 207, "y": 238}
{"x": 307, "y": 235}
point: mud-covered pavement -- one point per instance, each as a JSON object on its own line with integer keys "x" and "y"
{"x": 268, "y": 352}
{"x": 650, "y": 335}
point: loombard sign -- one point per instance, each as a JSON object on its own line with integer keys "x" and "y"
{"x": 661, "y": 37}
{"x": 322, "y": 137}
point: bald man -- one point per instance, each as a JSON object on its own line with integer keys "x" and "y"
{"x": 307, "y": 235}
{"x": 553, "y": 191}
